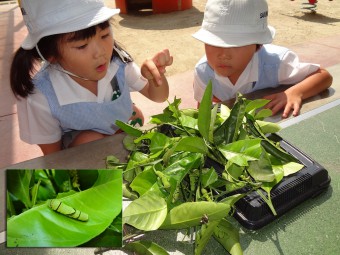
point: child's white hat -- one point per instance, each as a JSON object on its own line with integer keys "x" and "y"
{"x": 235, "y": 23}
{"x": 49, "y": 17}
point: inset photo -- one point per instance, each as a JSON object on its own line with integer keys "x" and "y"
{"x": 64, "y": 208}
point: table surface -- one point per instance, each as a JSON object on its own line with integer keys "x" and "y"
{"x": 310, "y": 228}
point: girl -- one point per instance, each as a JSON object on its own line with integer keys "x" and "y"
{"x": 84, "y": 85}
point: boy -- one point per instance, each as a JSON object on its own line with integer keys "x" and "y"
{"x": 240, "y": 58}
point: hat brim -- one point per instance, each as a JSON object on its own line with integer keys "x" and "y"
{"x": 228, "y": 40}
{"x": 81, "y": 22}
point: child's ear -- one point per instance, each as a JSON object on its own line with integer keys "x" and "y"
{"x": 52, "y": 60}
{"x": 258, "y": 46}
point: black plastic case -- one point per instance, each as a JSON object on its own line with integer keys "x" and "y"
{"x": 252, "y": 212}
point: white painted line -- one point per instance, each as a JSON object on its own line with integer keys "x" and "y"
{"x": 2, "y": 237}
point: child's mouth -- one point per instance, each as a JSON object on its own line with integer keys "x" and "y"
{"x": 101, "y": 68}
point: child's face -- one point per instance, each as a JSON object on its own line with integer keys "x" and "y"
{"x": 88, "y": 58}
{"x": 229, "y": 62}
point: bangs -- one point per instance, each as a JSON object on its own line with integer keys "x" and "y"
{"x": 86, "y": 33}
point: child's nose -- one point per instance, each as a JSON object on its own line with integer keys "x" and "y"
{"x": 225, "y": 53}
{"x": 98, "y": 50}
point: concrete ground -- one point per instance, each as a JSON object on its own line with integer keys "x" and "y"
{"x": 325, "y": 51}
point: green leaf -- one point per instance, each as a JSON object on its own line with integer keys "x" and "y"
{"x": 242, "y": 151}
{"x": 146, "y": 213}
{"x": 268, "y": 127}
{"x": 87, "y": 178}
{"x": 188, "y": 121}
{"x": 111, "y": 237}
{"x": 209, "y": 176}
{"x": 128, "y": 142}
{"x": 43, "y": 227}
{"x": 9, "y": 205}
{"x": 261, "y": 170}
{"x": 182, "y": 165}
{"x": 192, "y": 144}
{"x": 128, "y": 129}
{"x": 158, "y": 141}
{"x": 128, "y": 193}
{"x": 264, "y": 113}
{"x": 268, "y": 186}
{"x": 256, "y": 104}
{"x": 203, "y": 236}
{"x": 61, "y": 179}
{"x": 290, "y": 168}
{"x": 145, "y": 248}
{"x": 228, "y": 131}
{"x": 189, "y": 214}
{"x": 231, "y": 200}
{"x": 212, "y": 122}
{"x": 204, "y": 112}
{"x": 227, "y": 235}
{"x": 234, "y": 170}
{"x": 144, "y": 181}
{"x": 19, "y": 184}
{"x": 277, "y": 151}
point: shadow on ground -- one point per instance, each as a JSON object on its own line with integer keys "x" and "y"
{"x": 146, "y": 20}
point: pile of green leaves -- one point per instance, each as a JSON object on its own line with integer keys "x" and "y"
{"x": 172, "y": 186}
{"x": 31, "y": 223}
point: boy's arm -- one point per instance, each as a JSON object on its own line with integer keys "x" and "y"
{"x": 291, "y": 99}
{"x": 157, "y": 88}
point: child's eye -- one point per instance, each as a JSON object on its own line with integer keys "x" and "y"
{"x": 81, "y": 47}
{"x": 105, "y": 36}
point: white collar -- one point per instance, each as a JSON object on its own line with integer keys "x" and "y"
{"x": 69, "y": 91}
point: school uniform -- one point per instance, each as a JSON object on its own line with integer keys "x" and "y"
{"x": 60, "y": 105}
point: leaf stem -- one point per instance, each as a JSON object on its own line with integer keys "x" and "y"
{"x": 268, "y": 201}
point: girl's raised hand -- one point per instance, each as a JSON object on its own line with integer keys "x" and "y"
{"x": 154, "y": 69}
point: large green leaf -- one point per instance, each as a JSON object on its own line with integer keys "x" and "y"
{"x": 289, "y": 168}
{"x": 261, "y": 170}
{"x": 146, "y": 213}
{"x": 190, "y": 214}
{"x": 227, "y": 235}
{"x": 242, "y": 151}
{"x": 204, "y": 112}
{"x": 145, "y": 248}
{"x": 42, "y": 227}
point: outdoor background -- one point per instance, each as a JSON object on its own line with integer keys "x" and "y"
{"x": 144, "y": 34}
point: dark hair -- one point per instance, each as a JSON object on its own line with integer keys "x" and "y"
{"x": 25, "y": 62}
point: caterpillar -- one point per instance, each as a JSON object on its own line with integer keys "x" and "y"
{"x": 60, "y": 207}
{"x": 206, "y": 195}
{"x": 164, "y": 179}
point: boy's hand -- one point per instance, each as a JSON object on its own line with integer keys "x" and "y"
{"x": 286, "y": 101}
{"x": 154, "y": 69}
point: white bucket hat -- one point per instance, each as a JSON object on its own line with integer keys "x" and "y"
{"x": 49, "y": 17}
{"x": 235, "y": 23}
